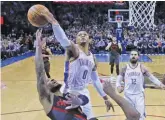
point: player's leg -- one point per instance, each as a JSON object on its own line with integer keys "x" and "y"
{"x": 130, "y": 99}
{"x": 112, "y": 61}
{"x": 140, "y": 105}
{"x": 117, "y": 64}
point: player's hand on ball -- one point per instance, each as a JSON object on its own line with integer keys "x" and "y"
{"x": 49, "y": 17}
{"x": 109, "y": 105}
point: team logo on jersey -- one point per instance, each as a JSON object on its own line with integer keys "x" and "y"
{"x": 61, "y": 103}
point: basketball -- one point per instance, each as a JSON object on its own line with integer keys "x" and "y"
{"x": 35, "y": 17}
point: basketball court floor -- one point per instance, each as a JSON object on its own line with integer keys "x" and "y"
{"x": 20, "y": 98}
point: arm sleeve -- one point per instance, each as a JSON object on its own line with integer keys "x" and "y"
{"x": 118, "y": 81}
{"x": 97, "y": 84}
{"x": 151, "y": 77}
{"x": 60, "y": 35}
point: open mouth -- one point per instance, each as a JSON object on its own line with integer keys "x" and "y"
{"x": 83, "y": 40}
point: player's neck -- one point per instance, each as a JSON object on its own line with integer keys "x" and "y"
{"x": 85, "y": 48}
{"x": 134, "y": 64}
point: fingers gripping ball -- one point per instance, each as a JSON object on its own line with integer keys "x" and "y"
{"x": 35, "y": 16}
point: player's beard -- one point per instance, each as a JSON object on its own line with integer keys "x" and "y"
{"x": 133, "y": 60}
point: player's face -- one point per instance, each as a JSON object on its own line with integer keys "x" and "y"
{"x": 134, "y": 57}
{"x": 82, "y": 37}
{"x": 53, "y": 86}
{"x": 114, "y": 40}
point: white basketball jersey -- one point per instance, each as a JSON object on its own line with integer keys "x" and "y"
{"x": 80, "y": 71}
{"x": 134, "y": 80}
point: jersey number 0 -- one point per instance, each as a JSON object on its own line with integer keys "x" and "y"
{"x": 85, "y": 74}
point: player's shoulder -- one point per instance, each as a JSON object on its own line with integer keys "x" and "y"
{"x": 47, "y": 49}
{"x": 143, "y": 68}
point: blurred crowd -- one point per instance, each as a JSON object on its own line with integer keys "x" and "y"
{"x": 14, "y": 46}
{"x": 18, "y": 36}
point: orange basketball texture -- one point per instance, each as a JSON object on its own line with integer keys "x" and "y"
{"x": 35, "y": 17}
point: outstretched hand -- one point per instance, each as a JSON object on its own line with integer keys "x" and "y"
{"x": 108, "y": 89}
{"x": 109, "y": 105}
{"x": 49, "y": 17}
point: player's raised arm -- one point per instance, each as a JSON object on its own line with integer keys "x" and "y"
{"x": 152, "y": 77}
{"x": 60, "y": 35}
{"x": 108, "y": 46}
{"x": 40, "y": 71}
{"x": 120, "y": 78}
{"x": 130, "y": 112}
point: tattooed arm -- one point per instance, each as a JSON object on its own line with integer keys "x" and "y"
{"x": 40, "y": 71}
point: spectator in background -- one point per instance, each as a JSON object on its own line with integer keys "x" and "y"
{"x": 163, "y": 46}
{"x": 155, "y": 46}
{"x": 150, "y": 47}
{"x": 101, "y": 44}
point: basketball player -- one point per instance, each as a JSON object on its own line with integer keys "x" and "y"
{"x": 82, "y": 66}
{"x": 55, "y": 104}
{"x": 133, "y": 76}
{"x": 46, "y": 53}
{"x": 49, "y": 92}
{"x": 114, "y": 54}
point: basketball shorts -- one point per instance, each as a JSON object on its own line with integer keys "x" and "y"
{"x": 138, "y": 101}
{"x": 114, "y": 59}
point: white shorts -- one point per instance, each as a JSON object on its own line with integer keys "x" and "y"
{"x": 138, "y": 101}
